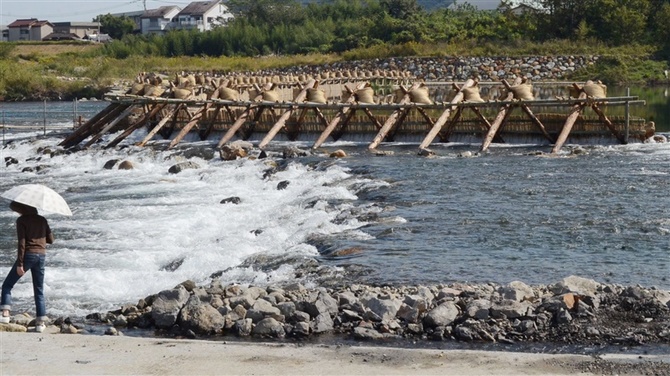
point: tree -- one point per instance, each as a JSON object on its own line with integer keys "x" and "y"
{"x": 268, "y": 12}
{"x": 401, "y": 9}
{"x": 115, "y": 27}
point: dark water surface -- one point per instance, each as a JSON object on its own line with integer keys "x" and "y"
{"x": 512, "y": 215}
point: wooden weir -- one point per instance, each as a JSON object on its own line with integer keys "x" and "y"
{"x": 215, "y": 115}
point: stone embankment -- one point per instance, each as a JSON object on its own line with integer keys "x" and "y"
{"x": 448, "y": 69}
{"x": 573, "y": 311}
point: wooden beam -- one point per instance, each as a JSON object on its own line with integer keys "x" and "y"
{"x": 391, "y": 120}
{"x": 608, "y": 123}
{"x": 197, "y": 116}
{"x": 204, "y": 134}
{"x": 569, "y": 122}
{"x": 537, "y": 122}
{"x": 281, "y": 123}
{"x": 138, "y": 124}
{"x": 444, "y": 135}
{"x": 339, "y": 117}
{"x": 439, "y": 123}
{"x": 93, "y": 124}
{"x": 238, "y": 123}
{"x": 161, "y": 124}
{"x": 390, "y": 136}
{"x": 497, "y": 122}
{"x": 109, "y": 126}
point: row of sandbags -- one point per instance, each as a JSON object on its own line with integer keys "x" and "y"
{"x": 524, "y": 91}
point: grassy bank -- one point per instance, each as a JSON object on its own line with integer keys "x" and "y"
{"x": 58, "y": 70}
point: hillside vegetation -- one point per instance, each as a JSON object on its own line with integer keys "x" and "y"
{"x": 630, "y": 36}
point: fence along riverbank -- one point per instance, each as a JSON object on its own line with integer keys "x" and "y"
{"x": 386, "y": 107}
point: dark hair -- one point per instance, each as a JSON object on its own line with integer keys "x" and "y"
{"x": 22, "y": 209}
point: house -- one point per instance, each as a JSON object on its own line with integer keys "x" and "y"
{"x": 28, "y": 29}
{"x": 136, "y": 17}
{"x": 202, "y": 15}
{"x": 524, "y": 9}
{"x": 158, "y": 21}
{"x": 80, "y": 29}
{"x": 5, "y": 33}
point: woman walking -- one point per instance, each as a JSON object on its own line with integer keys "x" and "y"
{"x": 33, "y": 234}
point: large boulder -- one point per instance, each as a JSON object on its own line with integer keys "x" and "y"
{"x": 442, "y": 315}
{"x": 201, "y": 318}
{"x": 167, "y": 305}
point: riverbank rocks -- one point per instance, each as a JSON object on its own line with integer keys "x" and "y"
{"x": 572, "y": 311}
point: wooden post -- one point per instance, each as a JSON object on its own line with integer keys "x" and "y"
{"x": 210, "y": 124}
{"x": 537, "y": 122}
{"x": 285, "y": 116}
{"x": 569, "y": 122}
{"x": 339, "y": 117}
{"x": 608, "y": 123}
{"x": 237, "y": 124}
{"x": 93, "y": 124}
{"x": 109, "y": 126}
{"x": 160, "y": 124}
{"x": 444, "y": 135}
{"x": 138, "y": 124}
{"x": 391, "y": 120}
{"x": 439, "y": 123}
{"x": 497, "y": 122}
{"x": 194, "y": 120}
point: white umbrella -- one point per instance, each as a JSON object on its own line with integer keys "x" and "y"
{"x": 38, "y": 196}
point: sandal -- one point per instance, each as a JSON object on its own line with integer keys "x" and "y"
{"x": 4, "y": 319}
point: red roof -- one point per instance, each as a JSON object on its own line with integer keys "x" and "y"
{"x": 28, "y": 22}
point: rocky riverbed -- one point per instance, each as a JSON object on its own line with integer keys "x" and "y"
{"x": 572, "y": 311}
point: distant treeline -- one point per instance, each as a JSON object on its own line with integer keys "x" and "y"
{"x": 286, "y": 27}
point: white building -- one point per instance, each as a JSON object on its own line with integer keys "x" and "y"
{"x": 202, "y": 15}
{"x": 158, "y": 21}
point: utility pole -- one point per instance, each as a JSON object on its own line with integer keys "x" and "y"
{"x": 145, "y": 4}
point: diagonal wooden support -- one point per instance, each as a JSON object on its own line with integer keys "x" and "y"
{"x": 239, "y": 122}
{"x": 195, "y": 119}
{"x": 497, "y": 122}
{"x": 109, "y": 126}
{"x": 93, "y": 124}
{"x": 281, "y": 122}
{"x": 608, "y": 123}
{"x": 138, "y": 124}
{"x": 392, "y": 120}
{"x": 439, "y": 123}
{"x": 446, "y": 133}
{"x": 204, "y": 134}
{"x": 569, "y": 122}
{"x": 537, "y": 122}
{"x": 532, "y": 116}
{"x": 161, "y": 124}
{"x": 341, "y": 115}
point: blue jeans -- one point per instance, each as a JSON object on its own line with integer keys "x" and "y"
{"x": 34, "y": 263}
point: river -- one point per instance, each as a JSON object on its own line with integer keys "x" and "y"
{"x": 510, "y": 214}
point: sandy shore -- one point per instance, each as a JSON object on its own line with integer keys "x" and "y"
{"x": 53, "y": 353}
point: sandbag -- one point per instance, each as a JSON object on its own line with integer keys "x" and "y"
{"x": 316, "y": 95}
{"x": 229, "y": 94}
{"x": 595, "y": 90}
{"x": 271, "y": 96}
{"x": 181, "y": 93}
{"x": 471, "y": 94}
{"x": 365, "y": 95}
{"x": 137, "y": 89}
{"x": 153, "y": 91}
{"x": 420, "y": 95}
{"x": 523, "y": 92}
